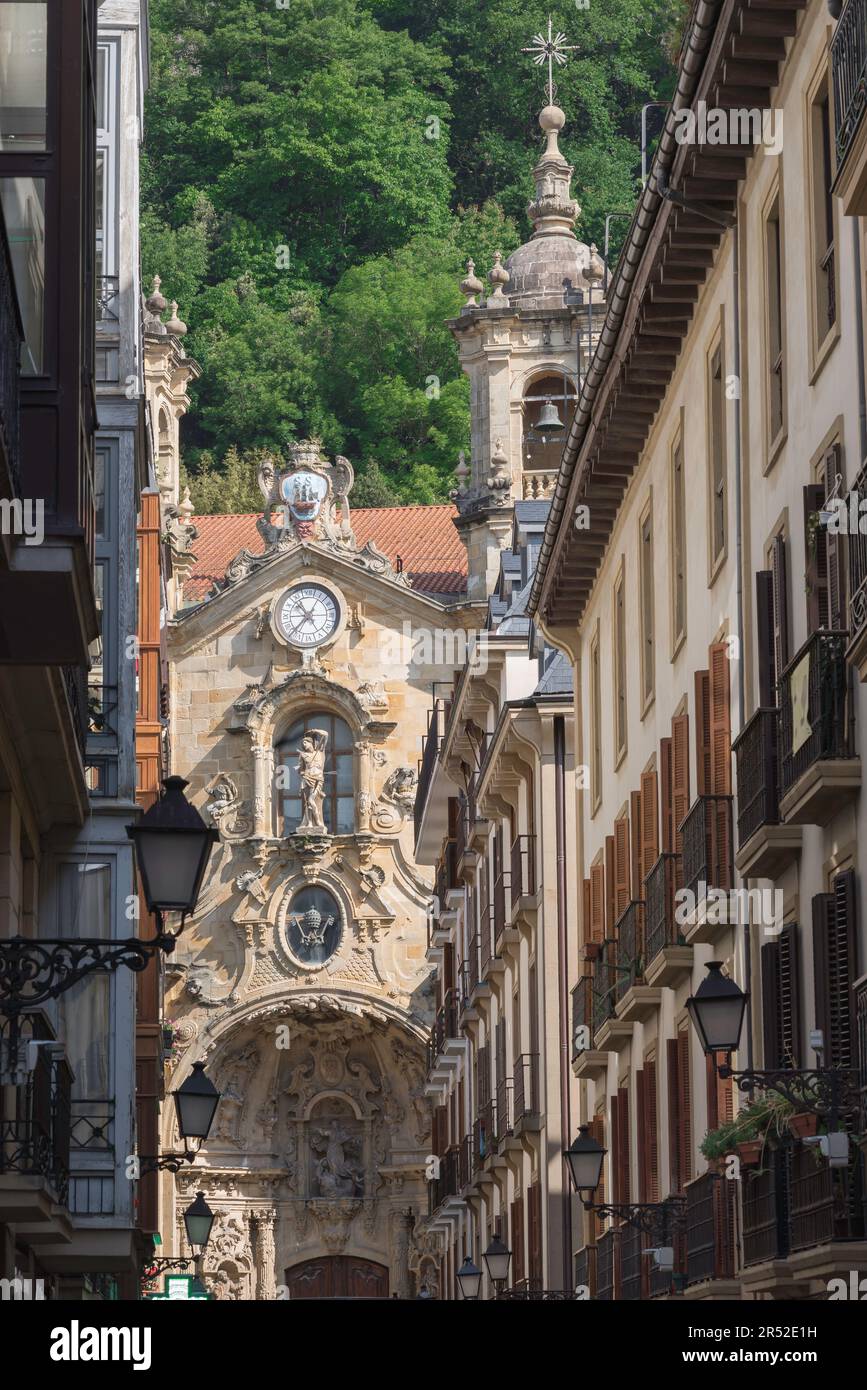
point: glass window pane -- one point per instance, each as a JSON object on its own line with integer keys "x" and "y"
{"x": 23, "y": 75}
{"x": 99, "y": 474}
{"x": 100, "y": 212}
{"x": 23, "y": 201}
{"x": 84, "y": 906}
{"x": 344, "y": 773}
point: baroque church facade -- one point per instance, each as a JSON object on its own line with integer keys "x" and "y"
{"x": 305, "y": 649}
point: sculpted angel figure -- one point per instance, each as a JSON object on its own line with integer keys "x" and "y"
{"x": 311, "y": 770}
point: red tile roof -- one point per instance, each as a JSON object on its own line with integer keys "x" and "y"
{"x": 424, "y": 538}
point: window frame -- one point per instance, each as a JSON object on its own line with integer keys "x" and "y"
{"x": 307, "y": 719}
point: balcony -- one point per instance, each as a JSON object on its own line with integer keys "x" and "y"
{"x": 667, "y": 956}
{"x": 505, "y": 1110}
{"x": 585, "y": 1269}
{"x": 707, "y": 862}
{"x": 633, "y": 1264}
{"x": 447, "y": 880}
{"x": 635, "y": 1000}
{"x": 765, "y": 846}
{"x": 849, "y": 78}
{"x": 447, "y": 1184}
{"x": 490, "y": 961}
{"x": 474, "y": 982}
{"x": 445, "y": 1044}
{"x": 710, "y": 1236}
{"x": 606, "y": 1260}
{"x": 525, "y": 1093}
{"x": 427, "y": 763}
{"x": 818, "y": 770}
{"x": 505, "y": 935}
{"x": 856, "y": 653}
{"x": 34, "y": 1129}
{"x": 523, "y": 870}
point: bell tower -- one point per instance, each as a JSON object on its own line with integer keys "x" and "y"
{"x": 525, "y": 347}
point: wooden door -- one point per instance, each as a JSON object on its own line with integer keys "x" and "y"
{"x": 337, "y": 1276}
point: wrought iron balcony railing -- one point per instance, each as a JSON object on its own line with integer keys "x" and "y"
{"x": 525, "y": 1094}
{"x": 462, "y": 831}
{"x": 606, "y": 1259}
{"x": 757, "y": 764}
{"x": 849, "y": 74}
{"x": 710, "y": 1228}
{"x": 472, "y": 964}
{"x": 794, "y": 1204}
{"x": 857, "y": 547}
{"x": 447, "y": 874}
{"x": 633, "y": 1263}
{"x": 523, "y": 864}
{"x": 107, "y": 298}
{"x": 427, "y": 762}
{"x": 661, "y": 929}
{"x": 75, "y": 684}
{"x": 821, "y": 730}
{"x": 501, "y": 885}
{"x": 445, "y": 1026}
{"x": 707, "y": 845}
{"x": 585, "y": 1269}
{"x": 604, "y": 989}
{"x": 505, "y": 1108}
{"x": 35, "y": 1119}
{"x": 629, "y": 931}
{"x": 582, "y": 1016}
{"x": 488, "y": 952}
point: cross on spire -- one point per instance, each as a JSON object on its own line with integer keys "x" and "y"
{"x": 552, "y": 49}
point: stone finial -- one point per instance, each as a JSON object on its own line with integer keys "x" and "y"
{"x": 156, "y": 304}
{"x": 185, "y": 506}
{"x": 553, "y": 210}
{"x": 498, "y": 276}
{"x": 471, "y": 285}
{"x": 462, "y": 472}
{"x": 594, "y": 270}
{"x": 174, "y": 325}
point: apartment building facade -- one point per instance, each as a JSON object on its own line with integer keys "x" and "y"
{"x": 694, "y": 570}
{"x": 78, "y": 454}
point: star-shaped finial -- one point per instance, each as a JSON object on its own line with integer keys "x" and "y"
{"x": 550, "y": 50}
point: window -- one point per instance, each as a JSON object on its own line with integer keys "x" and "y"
{"x": 23, "y": 75}
{"x": 717, "y": 457}
{"x": 23, "y": 201}
{"x": 772, "y": 619}
{"x": 825, "y": 575}
{"x": 776, "y": 364}
{"x": 542, "y": 451}
{"x": 822, "y": 177}
{"x": 678, "y": 545}
{"x": 620, "y": 665}
{"x": 84, "y": 909}
{"x": 338, "y": 806}
{"x": 647, "y": 632}
{"x": 596, "y": 715}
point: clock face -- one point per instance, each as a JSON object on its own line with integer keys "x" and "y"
{"x": 307, "y": 615}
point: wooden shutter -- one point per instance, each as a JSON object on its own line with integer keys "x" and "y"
{"x": 679, "y": 776}
{"x": 684, "y": 1161}
{"x": 780, "y": 582}
{"x": 650, "y": 1125}
{"x": 637, "y": 871}
{"x": 720, "y": 1096}
{"x": 834, "y": 550}
{"x": 597, "y": 1132}
{"x": 621, "y": 865}
{"x": 720, "y": 720}
{"x": 816, "y": 551}
{"x": 448, "y": 967}
{"x": 671, "y": 1058}
{"x": 665, "y": 793}
{"x": 781, "y": 1011}
{"x": 610, "y": 892}
{"x": 640, "y": 1103}
{"x": 704, "y": 776}
{"x": 649, "y": 826}
{"x": 534, "y": 1231}
{"x": 620, "y": 1143}
{"x": 597, "y": 902}
{"x": 835, "y": 969}
{"x": 765, "y": 639}
{"x": 517, "y": 1216}
{"x": 586, "y": 918}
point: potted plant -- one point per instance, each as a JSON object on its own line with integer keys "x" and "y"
{"x": 804, "y": 1125}
{"x": 758, "y": 1126}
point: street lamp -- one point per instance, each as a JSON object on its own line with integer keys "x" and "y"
{"x": 196, "y": 1104}
{"x": 717, "y": 1009}
{"x": 497, "y": 1259}
{"x": 584, "y": 1158}
{"x": 198, "y": 1219}
{"x": 172, "y": 847}
{"x": 469, "y": 1278}
{"x": 833, "y": 1093}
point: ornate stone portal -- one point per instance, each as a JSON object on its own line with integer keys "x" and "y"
{"x": 302, "y": 980}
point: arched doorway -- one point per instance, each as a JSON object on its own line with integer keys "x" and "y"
{"x": 337, "y": 1276}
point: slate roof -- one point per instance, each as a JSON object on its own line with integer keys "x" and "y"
{"x": 424, "y": 538}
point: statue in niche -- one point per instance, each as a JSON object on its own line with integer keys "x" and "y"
{"x": 337, "y": 1171}
{"x": 311, "y": 770}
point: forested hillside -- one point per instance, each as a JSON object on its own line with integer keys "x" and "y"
{"x": 316, "y": 173}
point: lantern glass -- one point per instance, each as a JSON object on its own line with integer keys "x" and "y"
{"x": 497, "y": 1259}
{"x": 196, "y": 1104}
{"x": 717, "y": 1010}
{"x": 585, "y": 1157}
{"x": 172, "y": 845}
{"x": 198, "y": 1219}
{"x": 469, "y": 1278}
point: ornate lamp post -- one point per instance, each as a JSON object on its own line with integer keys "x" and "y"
{"x": 717, "y": 1010}
{"x": 469, "y": 1278}
{"x": 584, "y": 1158}
{"x": 172, "y": 846}
{"x": 196, "y": 1104}
{"x": 497, "y": 1259}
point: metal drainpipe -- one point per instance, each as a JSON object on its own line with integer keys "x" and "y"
{"x": 563, "y": 982}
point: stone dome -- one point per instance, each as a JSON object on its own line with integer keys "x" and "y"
{"x": 538, "y": 269}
